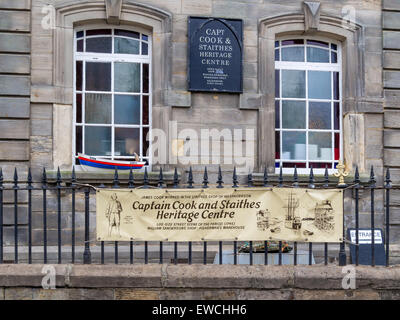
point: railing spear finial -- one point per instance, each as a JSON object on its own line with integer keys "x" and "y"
{"x": 372, "y": 179}
{"x": 190, "y": 178}
{"x": 176, "y": 179}
{"x": 131, "y": 181}
{"x": 145, "y": 179}
{"x": 265, "y": 177}
{"x": 116, "y": 180}
{"x": 326, "y": 177}
{"x": 311, "y": 180}
{"x": 15, "y": 178}
{"x": 295, "y": 178}
{"x": 219, "y": 181}
{"x": 388, "y": 183}
{"x": 205, "y": 178}
{"x": 234, "y": 178}
{"x": 160, "y": 179}
{"x": 73, "y": 175}
{"x": 250, "y": 179}
{"x": 58, "y": 177}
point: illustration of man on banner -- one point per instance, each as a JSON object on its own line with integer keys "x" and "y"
{"x": 113, "y": 215}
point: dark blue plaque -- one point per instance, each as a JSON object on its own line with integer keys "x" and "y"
{"x": 215, "y": 54}
{"x": 365, "y": 246}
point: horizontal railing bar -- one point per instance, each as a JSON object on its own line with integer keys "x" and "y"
{"x": 239, "y": 187}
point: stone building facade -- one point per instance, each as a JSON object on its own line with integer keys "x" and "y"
{"x": 38, "y": 102}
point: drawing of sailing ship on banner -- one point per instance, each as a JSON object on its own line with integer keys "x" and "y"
{"x": 292, "y": 221}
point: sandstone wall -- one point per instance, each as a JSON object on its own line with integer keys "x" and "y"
{"x": 165, "y": 282}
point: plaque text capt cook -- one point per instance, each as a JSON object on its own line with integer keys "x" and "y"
{"x": 215, "y": 54}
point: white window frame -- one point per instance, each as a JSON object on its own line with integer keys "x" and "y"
{"x": 308, "y": 66}
{"x": 113, "y": 57}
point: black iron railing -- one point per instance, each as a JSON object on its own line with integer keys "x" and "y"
{"x": 74, "y": 188}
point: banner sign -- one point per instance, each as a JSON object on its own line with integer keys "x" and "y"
{"x": 215, "y": 54}
{"x": 248, "y": 214}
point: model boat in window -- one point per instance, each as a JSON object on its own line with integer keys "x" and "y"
{"x": 90, "y": 163}
{"x": 292, "y": 221}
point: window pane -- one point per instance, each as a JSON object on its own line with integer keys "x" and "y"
{"x": 145, "y": 49}
{"x": 127, "y": 141}
{"x": 145, "y": 78}
{"x": 334, "y": 57}
{"x": 97, "y": 108}
{"x": 127, "y": 77}
{"x": 293, "y": 114}
{"x": 98, "y": 32}
{"x": 292, "y": 42}
{"x": 294, "y": 145}
{"x": 320, "y": 146}
{"x": 336, "y": 115}
{"x": 145, "y": 142}
{"x": 125, "y": 33}
{"x": 277, "y": 115}
{"x": 293, "y": 84}
{"x": 318, "y": 43}
{"x": 100, "y": 45}
{"x": 79, "y": 34}
{"x": 277, "y": 58}
{"x": 98, "y": 141}
{"x": 317, "y": 55}
{"x": 292, "y": 165}
{"x": 277, "y": 84}
{"x": 336, "y": 94}
{"x": 128, "y": 46}
{"x": 293, "y": 54}
{"x": 277, "y": 145}
{"x": 79, "y": 46}
{"x": 79, "y": 108}
{"x": 145, "y": 38}
{"x": 337, "y": 146}
{"x": 319, "y": 85}
{"x": 78, "y": 139}
{"x": 98, "y": 76}
{"x": 333, "y": 46}
{"x": 78, "y": 76}
{"x": 319, "y": 115}
{"x": 145, "y": 110}
{"x": 321, "y": 165}
{"x": 127, "y": 109}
